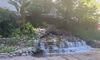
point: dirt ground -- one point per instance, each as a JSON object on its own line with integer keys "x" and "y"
{"x": 92, "y": 55}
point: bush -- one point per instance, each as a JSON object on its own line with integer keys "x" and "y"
{"x": 7, "y": 22}
{"x": 12, "y": 41}
{"x": 27, "y": 30}
{"x": 30, "y": 43}
{"x": 6, "y": 49}
{"x": 89, "y": 34}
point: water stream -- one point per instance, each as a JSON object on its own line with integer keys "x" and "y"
{"x": 63, "y": 47}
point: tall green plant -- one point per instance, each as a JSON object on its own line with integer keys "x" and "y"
{"x": 7, "y": 22}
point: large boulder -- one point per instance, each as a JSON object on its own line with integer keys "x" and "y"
{"x": 38, "y": 53}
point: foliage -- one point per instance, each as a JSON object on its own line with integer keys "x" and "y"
{"x": 77, "y": 16}
{"x": 8, "y": 24}
{"x": 6, "y": 49}
{"x": 30, "y": 43}
{"x": 20, "y": 5}
{"x": 27, "y": 30}
{"x": 12, "y": 41}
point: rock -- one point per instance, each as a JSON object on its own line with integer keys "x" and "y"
{"x": 4, "y": 55}
{"x": 38, "y": 53}
{"x": 23, "y": 52}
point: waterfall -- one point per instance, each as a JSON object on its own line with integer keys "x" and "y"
{"x": 63, "y": 47}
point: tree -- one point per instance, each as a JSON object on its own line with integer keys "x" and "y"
{"x": 37, "y": 10}
{"x": 79, "y": 16}
{"x": 73, "y": 15}
{"x": 21, "y": 7}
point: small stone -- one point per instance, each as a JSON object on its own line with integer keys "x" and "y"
{"x": 23, "y": 54}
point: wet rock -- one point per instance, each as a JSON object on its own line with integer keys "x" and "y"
{"x": 38, "y": 53}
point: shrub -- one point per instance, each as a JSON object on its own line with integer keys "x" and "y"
{"x": 26, "y": 30}
{"x": 7, "y": 22}
{"x": 6, "y": 49}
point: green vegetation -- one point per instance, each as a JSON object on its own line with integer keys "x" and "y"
{"x": 7, "y": 22}
{"x": 77, "y": 16}
{"x": 6, "y": 49}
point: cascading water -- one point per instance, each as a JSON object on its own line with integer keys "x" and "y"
{"x": 64, "y": 45}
